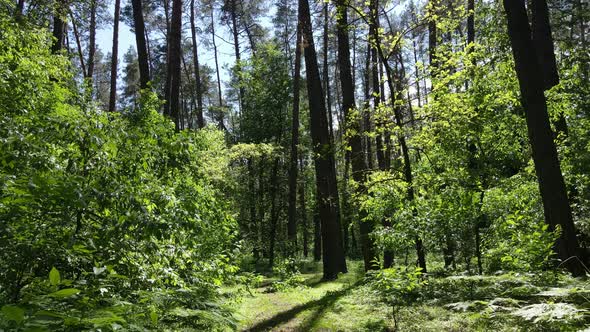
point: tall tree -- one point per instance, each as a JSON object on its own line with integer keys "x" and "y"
{"x": 140, "y": 40}
{"x": 197, "y": 70}
{"x": 59, "y": 26}
{"x": 327, "y": 189}
{"x": 551, "y": 183}
{"x": 292, "y": 213}
{"x": 174, "y": 58}
{"x": 352, "y": 125}
{"x": 115, "y": 58}
{"x": 92, "y": 41}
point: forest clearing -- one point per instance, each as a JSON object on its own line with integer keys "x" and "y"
{"x": 281, "y": 165}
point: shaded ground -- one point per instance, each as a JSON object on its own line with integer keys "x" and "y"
{"x": 349, "y": 304}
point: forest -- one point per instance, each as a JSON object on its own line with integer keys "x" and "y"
{"x": 282, "y": 165}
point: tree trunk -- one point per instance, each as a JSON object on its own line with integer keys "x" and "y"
{"x": 274, "y": 212}
{"x": 140, "y": 40}
{"x": 174, "y": 50}
{"x": 78, "y": 44}
{"x": 197, "y": 69}
{"x": 234, "y": 21}
{"x": 303, "y": 212}
{"x": 115, "y": 58}
{"x": 352, "y": 126}
{"x": 91, "y": 41}
{"x": 317, "y": 235}
{"x": 327, "y": 190}
{"x": 20, "y": 7}
{"x": 395, "y": 93}
{"x": 326, "y": 72}
{"x": 551, "y": 184}
{"x": 292, "y": 215}
{"x": 220, "y": 116}
{"x": 58, "y": 28}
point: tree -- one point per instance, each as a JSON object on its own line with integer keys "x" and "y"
{"x": 293, "y": 165}
{"x": 352, "y": 125}
{"x": 115, "y": 57}
{"x": 197, "y": 70}
{"x": 174, "y": 58}
{"x": 92, "y": 41}
{"x": 140, "y": 41}
{"x": 326, "y": 186}
{"x": 551, "y": 184}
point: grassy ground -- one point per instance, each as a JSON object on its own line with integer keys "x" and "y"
{"x": 351, "y": 304}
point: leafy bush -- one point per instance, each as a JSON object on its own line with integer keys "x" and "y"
{"x": 288, "y": 275}
{"x": 124, "y": 214}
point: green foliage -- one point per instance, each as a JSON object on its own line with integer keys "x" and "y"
{"x": 397, "y": 285}
{"x": 287, "y": 274}
{"x": 518, "y": 238}
{"x": 109, "y": 221}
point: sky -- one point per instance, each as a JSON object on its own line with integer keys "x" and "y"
{"x": 104, "y": 40}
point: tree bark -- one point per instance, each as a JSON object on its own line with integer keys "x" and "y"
{"x": 352, "y": 126}
{"x": 174, "y": 50}
{"x": 91, "y": 41}
{"x": 551, "y": 184}
{"x": 58, "y": 28}
{"x": 197, "y": 69}
{"x": 327, "y": 190}
{"x": 326, "y": 72}
{"x": 115, "y": 58}
{"x": 140, "y": 40}
{"x": 221, "y": 124}
{"x": 292, "y": 214}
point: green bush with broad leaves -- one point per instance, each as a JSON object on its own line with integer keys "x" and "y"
{"x": 107, "y": 220}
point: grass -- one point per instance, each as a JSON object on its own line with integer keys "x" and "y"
{"x": 351, "y": 304}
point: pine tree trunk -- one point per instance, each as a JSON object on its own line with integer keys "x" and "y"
{"x": 197, "y": 69}
{"x": 551, "y": 184}
{"x": 58, "y": 28}
{"x": 91, "y": 41}
{"x": 140, "y": 40}
{"x": 174, "y": 50}
{"x": 352, "y": 126}
{"x": 327, "y": 190}
{"x": 115, "y": 58}
{"x": 293, "y": 168}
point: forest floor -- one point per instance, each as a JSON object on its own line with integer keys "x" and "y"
{"x": 463, "y": 304}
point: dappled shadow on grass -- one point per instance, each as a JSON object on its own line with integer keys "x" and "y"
{"x": 321, "y": 304}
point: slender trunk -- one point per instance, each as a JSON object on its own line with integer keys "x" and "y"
{"x": 58, "y": 28}
{"x": 432, "y": 40}
{"x": 78, "y": 44}
{"x": 197, "y": 69}
{"x": 20, "y": 7}
{"x": 140, "y": 40}
{"x": 327, "y": 190}
{"x": 274, "y": 212}
{"x": 395, "y": 93}
{"x": 367, "y": 113}
{"x": 352, "y": 126}
{"x": 317, "y": 235}
{"x": 551, "y": 184}
{"x": 303, "y": 214}
{"x": 326, "y": 72}
{"x": 91, "y": 41}
{"x": 292, "y": 215}
{"x": 417, "y": 74}
{"x": 215, "y": 55}
{"x": 174, "y": 50}
{"x": 115, "y": 58}
{"x": 234, "y": 21}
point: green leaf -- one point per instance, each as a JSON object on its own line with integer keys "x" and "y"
{"x": 63, "y": 293}
{"x": 54, "y": 277}
{"x": 154, "y": 317}
{"x": 12, "y": 312}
